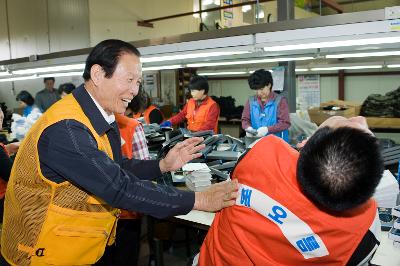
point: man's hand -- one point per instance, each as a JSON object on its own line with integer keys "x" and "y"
{"x": 217, "y": 196}
{"x": 181, "y": 153}
{"x": 262, "y": 131}
{"x": 12, "y": 148}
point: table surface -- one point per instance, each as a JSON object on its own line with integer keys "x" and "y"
{"x": 386, "y": 254}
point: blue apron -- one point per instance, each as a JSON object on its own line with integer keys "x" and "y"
{"x": 267, "y": 116}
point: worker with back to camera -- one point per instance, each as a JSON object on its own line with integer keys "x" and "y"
{"x": 144, "y": 108}
{"x": 312, "y": 207}
{"x": 201, "y": 112}
{"x": 266, "y": 112}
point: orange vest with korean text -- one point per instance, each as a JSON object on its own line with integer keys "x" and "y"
{"x": 242, "y": 236}
{"x": 127, "y": 128}
{"x": 146, "y": 114}
{"x": 197, "y": 117}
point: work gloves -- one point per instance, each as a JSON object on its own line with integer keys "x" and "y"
{"x": 166, "y": 124}
{"x": 250, "y": 132}
{"x": 262, "y": 131}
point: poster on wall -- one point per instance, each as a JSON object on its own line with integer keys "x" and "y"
{"x": 227, "y": 14}
{"x": 309, "y": 90}
{"x": 278, "y": 77}
{"x": 150, "y": 82}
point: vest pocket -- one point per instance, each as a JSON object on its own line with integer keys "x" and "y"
{"x": 70, "y": 237}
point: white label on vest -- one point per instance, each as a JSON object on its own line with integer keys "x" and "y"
{"x": 296, "y": 231}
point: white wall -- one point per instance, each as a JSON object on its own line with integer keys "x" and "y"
{"x": 118, "y": 19}
{"x": 238, "y": 89}
{"x": 42, "y": 26}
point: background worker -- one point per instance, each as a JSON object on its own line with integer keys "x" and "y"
{"x": 201, "y": 112}
{"x": 266, "y": 112}
{"x": 65, "y": 89}
{"x": 26, "y": 101}
{"x": 141, "y": 107}
{"x": 311, "y": 207}
{"x": 48, "y": 96}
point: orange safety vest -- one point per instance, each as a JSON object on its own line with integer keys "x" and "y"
{"x": 146, "y": 114}
{"x": 197, "y": 117}
{"x": 242, "y": 236}
{"x": 127, "y": 127}
{"x": 46, "y": 223}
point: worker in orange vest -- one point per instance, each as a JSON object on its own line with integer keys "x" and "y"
{"x": 141, "y": 106}
{"x": 201, "y": 112}
{"x": 311, "y": 207}
{"x": 134, "y": 145}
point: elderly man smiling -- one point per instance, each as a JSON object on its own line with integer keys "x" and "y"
{"x": 69, "y": 177}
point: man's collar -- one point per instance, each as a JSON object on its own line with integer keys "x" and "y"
{"x": 92, "y": 110}
{"x": 108, "y": 118}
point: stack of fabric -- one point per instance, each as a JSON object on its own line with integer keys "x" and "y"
{"x": 396, "y": 101}
{"x": 197, "y": 176}
{"x": 387, "y": 105}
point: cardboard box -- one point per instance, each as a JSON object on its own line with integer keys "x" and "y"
{"x": 319, "y": 115}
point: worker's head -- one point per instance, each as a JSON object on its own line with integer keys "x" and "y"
{"x": 49, "y": 83}
{"x": 25, "y": 99}
{"x": 139, "y": 104}
{"x": 113, "y": 74}
{"x": 340, "y": 165}
{"x": 66, "y": 89}
{"x": 198, "y": 87}
{"x": 261, "y": 81}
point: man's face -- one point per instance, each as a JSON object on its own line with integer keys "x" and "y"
{"x": 115, "y": 93}
{"x": 49, "y": 84}
{"x": 197, "y": 94}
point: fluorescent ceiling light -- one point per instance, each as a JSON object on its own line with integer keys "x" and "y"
{"x": 67, "y": 74}
{"x": 369, "y": 54}
{"x": 49, "y": 69}
{"x": 222, "y": 73}
{"x": 345, "y": 67}
{"x": 188, "y": 56}
{"x": 161, "y": 67}
{"x": 246, "y": 8}
{"x": 255, "y": 61}
{"x": 206, "y": 2}
{"x": 393, "y": 66}
{"x": 2, "y": 74}
{"x": 301, "y": 69}
{"x": 354, "y": 42}
{"x": 19, "y": 78}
